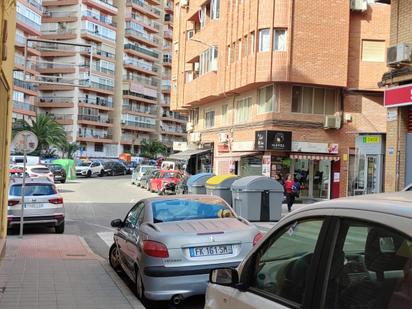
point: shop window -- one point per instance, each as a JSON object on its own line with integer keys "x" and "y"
{"x": 98, "y": 147}
{"x": 310, "y": 100}
{"x": 243, "y": 110}
{"x": 225, "y": 114}
{"x": 250, "y": 166}
{"x": 373, "y": 51}
{"x": 279, "y": 39}
{"x": 264, "y": 40}
{"x": 209, "y": 119}
{"x": 266, "y": 99}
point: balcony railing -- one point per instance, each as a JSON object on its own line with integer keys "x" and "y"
{"x": 167, "y": 60}
{"x": 20, "y": 39}
{"x": 174, "y": 115}
{"x": 56, "y": 100}
{"x": 28, "y": 22}
{"x": 59, "y": 31}
{"x": 24, "y": 106}
{"x": 138, "y": 95}
{"x": 140, "y": 109}
{"x": 102, "y": 18}
{"x": 94, "y": 118}
{"x": 36, "y": 4}
{"x": 25, "y": 85}
{"x": 98, "y": 34}
{"x": 96, "y": 136}
{"x": 141, "y": 64}
{"x": 61, "y": 116}
{"x": 96, "y": 101}
{"x": 102, "y": 70}
{"x": 165, "y": 128}
{"x": 142, "y": 50}
{"x": 168, "y": 33}
{"x": 106, "y": 4}
{"x": 60, "y": 14}
{"x": 145, "y": 6}
{"x": 139, "y": 124}
{"x": 93, "y": 84}
{"x": 144, "y": 20}
{"x": 166, "y": 87}
{"x": 143, "y": 80}
{"x": 143, "y": 36}
{"x": 104, "y": 53}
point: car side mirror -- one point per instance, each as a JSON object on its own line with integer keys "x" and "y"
{"x": 116, "y": 223}
{"x": 224, "y": 276}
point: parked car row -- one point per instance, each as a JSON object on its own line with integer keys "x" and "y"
{"x": 102, "y": 167}
{"x": 51, "y": 172}
{"x": 340, "y": 254}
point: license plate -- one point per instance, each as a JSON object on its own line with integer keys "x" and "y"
{"x": 34, "y": 205}
{"x": 211, "y": 250}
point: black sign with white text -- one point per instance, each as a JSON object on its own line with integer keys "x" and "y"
{"x": 273, "y": 140}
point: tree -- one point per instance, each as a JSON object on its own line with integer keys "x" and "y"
{"x": 48, "y": 131}
{"x": 68, "y": 149}
{"x": 152, "y": 148}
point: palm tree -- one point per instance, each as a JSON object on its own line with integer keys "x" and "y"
{"x": 68, "y": 149}
{"x": 48, "y": 132}
{"x": 152, "y": 148}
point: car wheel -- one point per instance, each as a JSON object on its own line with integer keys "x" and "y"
{"x": 139, "y": 286}
{"x": 89, "y": 174}
{"x": 101, "y": 174}
{"x": 63, "y": 180}
{"x": 59, "y": 229}
{"x": 114, "y": 258}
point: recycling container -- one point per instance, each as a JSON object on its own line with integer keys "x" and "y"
{"x": 221, "y": 186}
{"x": 196, "y": 184}
{"x": 257, "y": 198}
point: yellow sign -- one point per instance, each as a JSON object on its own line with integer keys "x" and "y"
{"x": 371, "y": 139}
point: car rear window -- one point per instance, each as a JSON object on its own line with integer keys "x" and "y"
{"x": 33, "y": 190}
{"x": 169, "y": 175}
{"x": 193, "y": 209}
{"x": 40, "y": 170}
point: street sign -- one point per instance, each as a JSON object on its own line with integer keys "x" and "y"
{"x": 25, "y": 141}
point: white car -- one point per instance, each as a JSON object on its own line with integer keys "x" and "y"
{"x": 39, "y": 171}
{"x": 138, "y": 173}
{"x": 339, "y": 254}
{"x": 43, "y": 204}
{"x": 88, "y": 169}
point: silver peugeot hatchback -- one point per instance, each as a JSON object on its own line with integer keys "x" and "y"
{"x": 168, "y": 245}
{"x": 43, "y": 204}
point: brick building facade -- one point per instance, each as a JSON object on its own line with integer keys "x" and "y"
{"x": 285, "y": 66}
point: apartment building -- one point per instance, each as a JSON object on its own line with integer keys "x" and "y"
{"x": 397, "y": 82}
{"x": 285, "y": 87}
{"x": 28, "y": 24}
{"x": 113, "y": 96}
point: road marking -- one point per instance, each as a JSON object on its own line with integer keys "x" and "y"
{"x": 107, "y": 237}
{"x": 94, "y": 224}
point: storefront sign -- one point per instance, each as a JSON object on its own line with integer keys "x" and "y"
{"x": 315, "y": 147}
{"x": 273, "y": 140}
{"x": 180, "y": 146}
{"x": 398, "y": 96}
{"x": 371, "y": 139}
{"x": 369, "y": 144}
{"x": 243, "y": 146}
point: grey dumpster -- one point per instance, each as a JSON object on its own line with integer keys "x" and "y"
{"x": 257, "y": 198}
{"x": 220, "y": 186}
{"x": 196, "y": 184}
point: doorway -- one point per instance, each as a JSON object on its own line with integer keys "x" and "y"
{"x": 365, "y": 174}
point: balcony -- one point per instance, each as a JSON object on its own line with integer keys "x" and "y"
{"x": 98, "y": 87}
{"x": 167, "y": 61}
{"x": 172, "y": 130}
{"x": 59, "y": 34}
{"x": 100, "y": 54}
{"x": 102, "y": 5}
{"x": 149, "y": 24}
{"x": 172, "y": 116}
{"x": 142, "y": 51}
{"x": 97, "y": 120}
{"x": 101, "y": 18}
{"x": 46, "y": 67}
{"x": 127, "y": 94}
{"x": 138, "y": 126}
{"x": 140, "y": 109}
{"x": 55, "y": 102}
{"x": 141, "y": 37}
{"x": 36, "y": 4}
{"x": 142, "y": 80}
{"x": 28, "y": 25}
{"x": 57, "y": 3}
{"x": 166, "y": 88}
{"x": 144, "y": 8}
{"x": 100, "y": 102}
{"x": 25, "y": 86}
{"x": 168, "y": 34}
{"x": 100, "y": 69}
{"x": 96, "y": 36}
{"x": 55, "y": 17}
{"x": 24, "y": 106}
{"x": 139, "y": 65}
{"x": 95, "y": 137}
{"x": 63, "y": 119}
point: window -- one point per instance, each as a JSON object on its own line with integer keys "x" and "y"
{"x": 243, "y": 110}
{"x": 194, "y": 116}
{"x": 202, "y": 16}
{"x": 321, "y": 101}
{"x": 373, "y": 51}
{"x": 214, "y": 9}
{"x": 245, "y": 46}
{"x": 266, "y": 99}
{"x": 252, "y": 42}
{"x": 225, "y": 114}
{"x": 282, "y": 264}
{"x": 239, "y": 48}
{"x": 209, "y": 119}
{"x": 132, "y": 216}
{"x": 98, "y": 147}
{"x": 279, "y": 39}
{"x": 371, "y": 266}
{"x": 264, "y": 40}
{"x": 229, "y": 54}
{"x": 208, "y": 60}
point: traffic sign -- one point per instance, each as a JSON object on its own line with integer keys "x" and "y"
{"x": 25, "y": 141}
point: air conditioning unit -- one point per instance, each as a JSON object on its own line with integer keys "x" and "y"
{"x": 189, "y": 126}
{"x": 359, "y": 5}
{"x": 195, "y": 137}
{"x": 184, "y": 3}
{"x": 332, "y": 122}
{"x": 398, "y": 54}
{"x": 223, "y": 138}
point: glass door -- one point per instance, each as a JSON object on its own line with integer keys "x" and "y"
{"x": 371, "y": 175}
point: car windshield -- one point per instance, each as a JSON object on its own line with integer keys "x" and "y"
{"x": 193, "y": 209}
{"x": 84, "y": 164}
{"x": 33, "y": 190}
{"x": 169, "y": 175}
{"x": 54, "y": 167}
{"x": 40, "y": 170}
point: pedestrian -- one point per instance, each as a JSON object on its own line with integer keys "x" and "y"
{"x": 278, "y": 178}
{"x": 290, "y": 194}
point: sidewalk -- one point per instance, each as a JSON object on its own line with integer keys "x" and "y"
{"x": 59, "y": 271}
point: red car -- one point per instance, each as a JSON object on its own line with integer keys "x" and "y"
{"x": 163, "y": 177}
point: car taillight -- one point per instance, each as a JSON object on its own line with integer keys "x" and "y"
{"x": 57, "y": 200}
{"x": 258, "y": 237}
{"x": 155, "y": 249}
{"x": 13, "y": 202}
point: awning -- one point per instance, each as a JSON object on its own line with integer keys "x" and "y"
{"x": 235, "y": 155}
{"x": 185, "y": 155}
{"x": 300, "y": 156}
